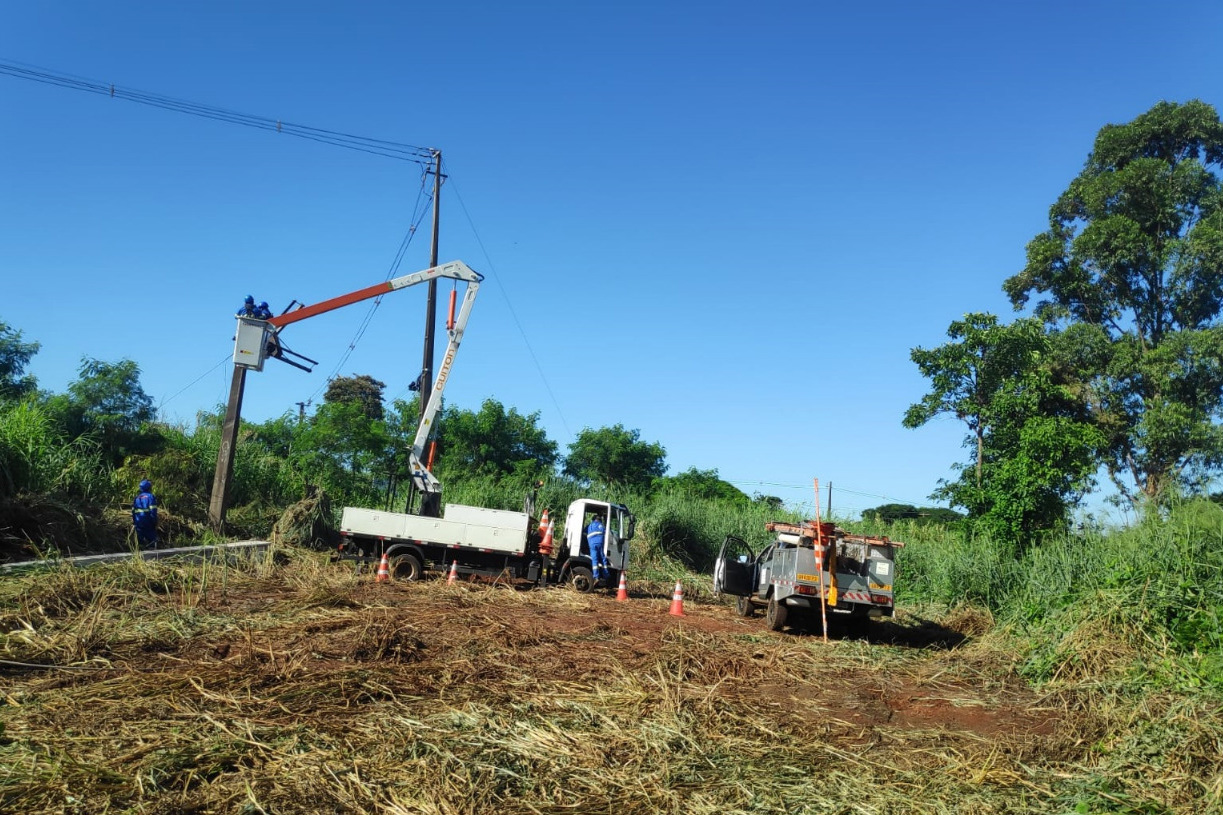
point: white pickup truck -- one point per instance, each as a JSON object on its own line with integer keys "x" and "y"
{"x": 805, "y": 565}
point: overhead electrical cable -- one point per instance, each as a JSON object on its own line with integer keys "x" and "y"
{"x": 421, "y": 156}
{"x": 349, "y": 141}
{"x": 418, "y": 214}
{"x": 193, "y": 382}
{"x": 510, "y": 305}
{"x": 835, "y": 489}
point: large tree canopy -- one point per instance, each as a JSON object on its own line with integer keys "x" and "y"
{"x": 363, "y": 390}
{"x": 494, "y": 441}
{"x": 1133, "y": 262}
{"x": 613, "y": 455}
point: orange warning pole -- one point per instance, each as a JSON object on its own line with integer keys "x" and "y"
{"x": 432, "y": 451}
{"x": 819, "y": 561}
{"x": 454, "y": 295}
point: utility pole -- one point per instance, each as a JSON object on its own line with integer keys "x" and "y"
{"x": 430, "y": 504}
{"x": 828, "y": 514}
{"x": 426, "y": 375}
{"x": 301, "y": 410}
{"x": 225, "y": 451}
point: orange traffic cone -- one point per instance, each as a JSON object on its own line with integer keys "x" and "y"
{"x": 622, "y": 592}
{"x": 384, "y": 570}
{"x": 454, "y": 573}
{"x": 677, "y": 601}
{"x": 546, "y": 527}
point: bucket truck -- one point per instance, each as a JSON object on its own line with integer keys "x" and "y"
{"x": 471, "y": 540}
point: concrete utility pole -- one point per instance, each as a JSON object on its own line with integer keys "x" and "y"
{"x": 225, "y": 452}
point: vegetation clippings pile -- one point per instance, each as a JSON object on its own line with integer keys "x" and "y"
{"x": 304, "y": 687}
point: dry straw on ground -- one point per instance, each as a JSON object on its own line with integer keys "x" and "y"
{"x": 305, "y": 687}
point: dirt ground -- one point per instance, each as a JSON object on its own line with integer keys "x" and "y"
{"x": 246, "y": 696}
{"x": 583, "y": 637}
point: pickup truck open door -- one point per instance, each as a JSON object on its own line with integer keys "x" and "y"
{"x": 734, "y": 572}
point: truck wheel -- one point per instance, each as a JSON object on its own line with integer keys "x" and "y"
{"x": 581, "y": 579}
{"x": 776, "y": 614}
{"x": 744, "y": 607}
{"x": 407, "y": 567}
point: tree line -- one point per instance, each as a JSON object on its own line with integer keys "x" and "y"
{"x": 69, "y": 462}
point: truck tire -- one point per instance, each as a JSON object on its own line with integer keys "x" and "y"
{"x": 407, "y": 567}
{"x": 581, "y": 579}
{"x": 744, "y": 607}
{"x": 776, "y": 614}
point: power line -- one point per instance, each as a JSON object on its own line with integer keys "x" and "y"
{"x": 835, "y": 489}
{"x": 418, "y": 214}
{"x": 509, "y": 304}
{"x": 349, "y": 141}
{"x": 169, "y": 399}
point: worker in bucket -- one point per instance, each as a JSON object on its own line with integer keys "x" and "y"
{"x": 594, "y": 539}
{"x": 249, "y": 309}
{"x": 144, "y": 516}
{"x": 263, "y": 312}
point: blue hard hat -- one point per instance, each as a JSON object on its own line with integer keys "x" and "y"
{"x": 146, "y": 486}
{"x": 250, "y": 298}
{"x": 263, "y": 305}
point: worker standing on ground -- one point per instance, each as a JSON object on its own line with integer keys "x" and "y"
{"x": 594, "y": 539}
{"x": 144, "y": 516}
{"x": 249, "y": 309}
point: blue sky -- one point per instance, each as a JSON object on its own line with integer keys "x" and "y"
{"x": 722, "y": 224}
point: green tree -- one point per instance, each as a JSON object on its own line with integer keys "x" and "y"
{"x": 364, "y": 390}
{"x": 107, "y": 402}
{"x": 773, "y": 502}
{"x": 703, "y": 484}
{"x": 494, "y": 441}
{"x": 891, "y": 513}
{"x": 345, "y": 451}
{"x": 15, "y": 355}
{"x": 1133, "y": 262}
{"x": 967, "y": 374}
{"x": 1040, "y": 459}
{"x": 613, "y": 455}
{"x": 1034, "y": 452}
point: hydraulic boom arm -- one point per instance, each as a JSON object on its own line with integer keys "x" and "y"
{"x": 257, "y": 339}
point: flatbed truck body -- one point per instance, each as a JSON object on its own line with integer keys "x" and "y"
{"x": 489, "y": 542}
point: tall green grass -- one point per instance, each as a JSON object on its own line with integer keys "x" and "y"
{"x": 1148, "y": 598}
{"x": 36, "y": 456}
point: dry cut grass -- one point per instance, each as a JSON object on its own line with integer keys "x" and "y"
{"x": 304, "y": 687}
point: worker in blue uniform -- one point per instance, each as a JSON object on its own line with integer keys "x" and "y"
{"x": 249, "y": 309}
{"x": 262, "y": 312}
{"x": 594, "y": 539}
{"x": 144, "y": 516}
